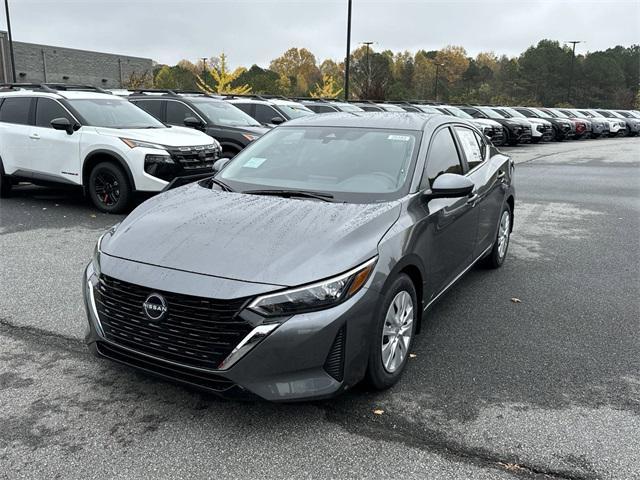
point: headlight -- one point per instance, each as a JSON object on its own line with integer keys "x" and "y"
{"x": 138, "y": 143}
{"x": 317, "y": 296}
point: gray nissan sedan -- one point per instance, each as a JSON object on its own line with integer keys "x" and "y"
{"x": 308, "y": 262}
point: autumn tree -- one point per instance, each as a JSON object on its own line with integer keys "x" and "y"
{"x": 298, "y": 66}
{"x": 328, "y": 89}
{"x": 222, "y": 79}
{"x": 176, "y": 77}
{"x": 371, "y": 74}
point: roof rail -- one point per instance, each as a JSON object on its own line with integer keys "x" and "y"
{"x": 25, "y": 86}
{"x": 51, "y": 87}
{"x": 142, "y": 91}
{"x": 74, "y": 87}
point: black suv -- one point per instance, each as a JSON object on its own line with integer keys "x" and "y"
{"x": 516, "y": 131}
{"x": 233, "y": 128}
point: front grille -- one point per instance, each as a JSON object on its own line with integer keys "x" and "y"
{"x": 195, "y": 158}
{"x": 334, "y": 364}
{"x": 197, "y": 331}
{"x": 189, "y": 376}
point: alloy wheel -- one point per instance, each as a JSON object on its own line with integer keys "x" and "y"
{"x": 397, "y": 331}
{"x": 503, "y": 234}
{"x": 107, "y": 188}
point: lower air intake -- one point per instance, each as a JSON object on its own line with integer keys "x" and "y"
{"x": 334, "y": 365}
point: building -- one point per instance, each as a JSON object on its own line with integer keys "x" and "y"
{"x": 44, "y": 63}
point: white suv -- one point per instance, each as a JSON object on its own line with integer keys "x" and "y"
{"x": 80, "y": 136}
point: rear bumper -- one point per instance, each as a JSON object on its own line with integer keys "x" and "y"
{"x": 308, "y": 356}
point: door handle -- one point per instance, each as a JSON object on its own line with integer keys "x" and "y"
{"x": 473, "y": 198}
{"x": 34, "y": 136}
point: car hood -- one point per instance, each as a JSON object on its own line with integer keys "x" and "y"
{"x": 485, "y": 122}
{"x": 252, "y": 238}
{"x": 172, "y": 137}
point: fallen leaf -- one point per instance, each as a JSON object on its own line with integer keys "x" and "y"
{"x": 93, "y": 215}
{"x": 412, "y": 355}
{"x": 516, "y": 300}
{"x": 378, "y": 411}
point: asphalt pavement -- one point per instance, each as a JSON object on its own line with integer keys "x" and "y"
{"x": 529, "y": 371}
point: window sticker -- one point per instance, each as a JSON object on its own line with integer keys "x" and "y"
{"x": 254, "y": 162}
{"x": 400, "y": 138}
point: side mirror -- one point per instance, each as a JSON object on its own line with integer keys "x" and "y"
{"x": 450, "y": 185}
{"x": 277, "y": 120}
{"x": 64, "y": 124}
{"x": 193, "y": 122}
{"x": 220, "y": 164}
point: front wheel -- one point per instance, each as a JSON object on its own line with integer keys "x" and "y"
{"x": 109, "y": 188}
{"x": 498, "y": 253}
{"x": 392, "y": 337}
{"x": 5, "y": 184}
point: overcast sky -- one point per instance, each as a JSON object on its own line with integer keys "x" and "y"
{"x": 256, "y": 31}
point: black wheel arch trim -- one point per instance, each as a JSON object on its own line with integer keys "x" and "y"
{"x": 116, "y": 157}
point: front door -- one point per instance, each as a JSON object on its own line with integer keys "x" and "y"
{"x": 56, "y": 153}
{"x": 449, "y": 225}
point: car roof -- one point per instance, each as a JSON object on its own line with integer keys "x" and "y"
{"x": 382, "y": 120}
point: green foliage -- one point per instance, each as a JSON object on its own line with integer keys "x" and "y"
{"x": 261, "y": 80}
{"x": 176, "y": 77}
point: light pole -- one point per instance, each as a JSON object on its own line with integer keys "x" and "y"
{"x": 346, "y": 60}
{"x": 573, "y": 59}
{"x": 368, "y": 44}
{"x": 204, "y": 69}
{"x": 13, "y": 63}
{"x": 438, "y": 65}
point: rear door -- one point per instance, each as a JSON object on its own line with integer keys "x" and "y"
{"x": 16, "y": 146}
{"x": 488, "y": 175}
{"x": 56, "y": 154}
{"x": 152, "y": 107}
{"x": 449, "y": 226}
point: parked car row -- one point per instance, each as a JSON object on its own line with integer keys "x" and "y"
{"x": 116, "y": 144}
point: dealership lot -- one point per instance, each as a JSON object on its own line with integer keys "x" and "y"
{"x": 546, "y": 384}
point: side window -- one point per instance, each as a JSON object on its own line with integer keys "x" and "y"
{"x": 471, "y": 147}
{"x": 265, "y": 113}
{"x": 152, "y": 107}
{"x": 443, "y": 157}
{"x": 177, "y": 112}
{"x": 47, "y": 110}
{"x": 245, "y": 107}
{"x": 322, "y": 108}
{"x": 15, "y": 110}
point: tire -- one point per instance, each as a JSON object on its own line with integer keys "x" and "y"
{"x": 5, "y": 183}
{"x": 380, "y": 374}
{"x": 109, "y": 188}
{"x": 498, "y": 253}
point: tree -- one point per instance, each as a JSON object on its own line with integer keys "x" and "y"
{"x": 454, "y": 63}
{"x": 259, "y": 79}
{"x": 138, "y": 80}
{"x": 299, "y": 66}
{"x": 175, "y": 77}
{"x": 328, "y": 89}
{"x": 222, "y": 79}
{"x": 424, "y": 75}
{"x": 371, "y": 78}
{"x": 545, "y": 71}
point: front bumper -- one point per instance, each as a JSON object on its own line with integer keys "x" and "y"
{"x": 308, "y": 356}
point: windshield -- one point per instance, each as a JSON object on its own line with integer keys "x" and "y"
{"x": 224, "y": 113}
{"x": 625, "y": 114}
{"x": 355, "y": 165}
{"x": 295, "y": 111}
{"x": 503, "y": 112}
{"x": 113, "y": 113}
{"x": 426, "y": 109}
{"x": 540, "y": 113}
{"x": 567, "y": 113}
{"x": 347, "y": 107}
{"x": 392, "y": 108}
{"x": 616, "y": 114}
{"x": 528, "y": 113}
{"x": 489, "y": 112}
{"x": 513, "y": 112}
{"x": 605, "y": 114}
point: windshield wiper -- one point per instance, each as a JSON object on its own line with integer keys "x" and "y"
{"x": 325, "y": 197}
{"x": 221, "y": 184}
